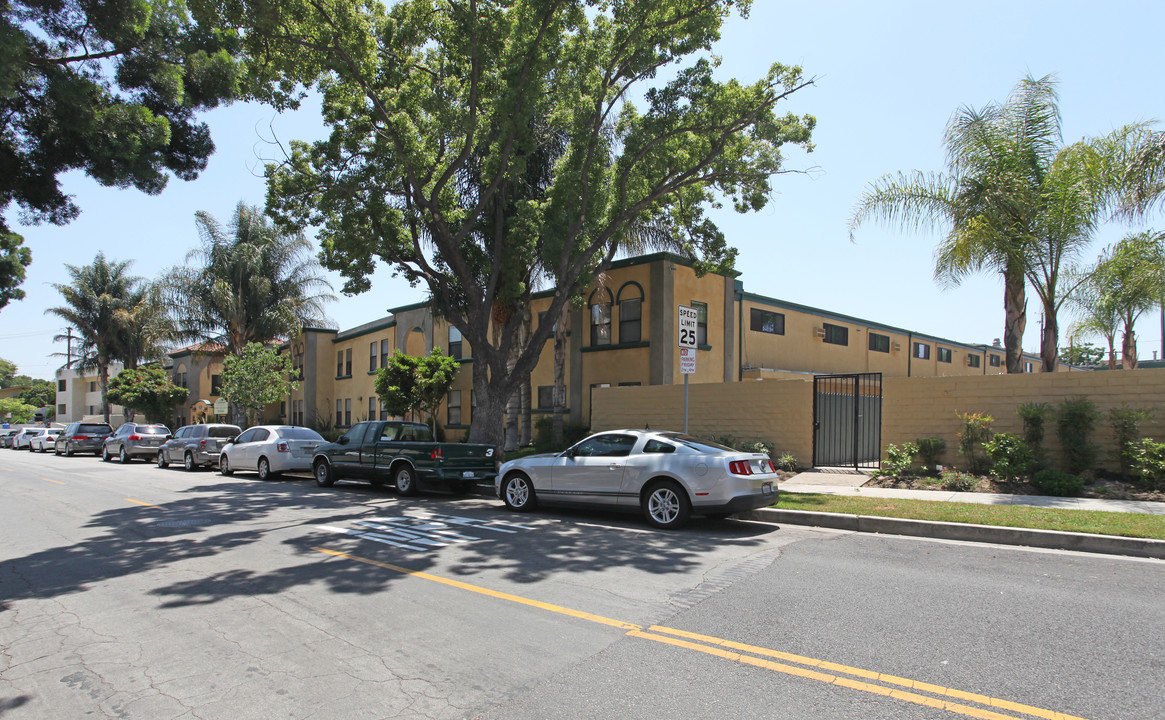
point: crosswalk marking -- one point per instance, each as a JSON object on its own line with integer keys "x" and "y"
{"x": 423, "y": 531}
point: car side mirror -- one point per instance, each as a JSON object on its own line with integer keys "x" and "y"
{"x": 569, "y": 452}
{"x": 344, "y": 440}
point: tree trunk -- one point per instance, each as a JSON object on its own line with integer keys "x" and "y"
{"x": 103, "y": 377}
{"x": 1050, "y": 342}
{"x": 1129, "y": 349}
{"x": 1111, "y": 352}
{"x": 559, "y": 379}
{"x": 1015, "y": 312}
{"x": 525, "y": 434}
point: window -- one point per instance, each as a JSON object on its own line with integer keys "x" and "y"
{"x": 879, "y": 343}
{"x": 61, "y": 385}
{"x": 454, "y": 407}
{"x": 339, "y": 363}
{"x": 836, "y": 334}
{"x": 61, "y": 408}
{"x": 610, "y": 445}
{"x": 92, "y": 386}
{"x": 1027, "y": 367}
{"x": 383, "y": 411}
{"x": 921, "y": 351}
{"x": 348, "y": 362}
{"x": 372, "y": 408}
{"x": 339, "y": 413}
{"x": 454, "y": 343}
{"x": 630, "y": 384}
{"x": 944, "y": 355}
{"x": 348, "y": 408}
{"x": 601, "y": 323}
{"x": 656, "y": 446}
{"x": 994, "y": 361}
{"x": 973, "y": 361}
{"x": 701, "y": 309}
{"x": 372, "y": 357}
{"x": 246, "y": 437}
{"x": 283, "y": 409}
{"x": 630, "y": 320}
{"x": 545, "y": 397}
{"x": 216, "y": 384}
{"x": 384, "y": 353}
{"x": 766, "y": 322}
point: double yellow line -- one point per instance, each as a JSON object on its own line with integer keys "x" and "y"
{"x": 808, "y": 668}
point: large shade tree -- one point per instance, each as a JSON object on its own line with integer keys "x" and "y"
{"x": 108, "y": 88}
{"x": 1014, "y": 200}
{"x": 247, "y": 283}
{"x": 438, "y": 109}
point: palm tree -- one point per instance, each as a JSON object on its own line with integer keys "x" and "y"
{"x": 1014, "y": 201}
{"x": 1128, "y": 280}
{"x": 253, "y": 284}
{"x": 96, "y": 305}
{"x": 1144, "y": 186}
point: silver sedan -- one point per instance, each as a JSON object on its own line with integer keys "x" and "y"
{"x": 665, "y": 475}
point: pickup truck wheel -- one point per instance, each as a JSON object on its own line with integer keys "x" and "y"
{"x": 518, "y": 493}
{"x": 162, "y": 462}
{"x": 324, "y": 475}
{"x": 405, "y": 480}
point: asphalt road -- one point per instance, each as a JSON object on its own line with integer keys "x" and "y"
{"x": 134, "y": 592}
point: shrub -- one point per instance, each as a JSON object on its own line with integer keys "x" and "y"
{"x": 1126, "y": 428}
{"x": 976, "y": 431}
{"x": 725, "y": 440}
{"x": 759, "y": 446}
{"x": 544, "y": 434}
{"x": 787, "y": 462}
{"x": 1075, "y": 421}
{"x": 930, "y": 450}
{"x": 1147, "y": 461}
{"x": 1034, "y": 416}
{"x": 899, "y": 459}
{"x": 1058, "y": 482}
{"x": 1011, "y": 457}
{"x": 958, "y": 481}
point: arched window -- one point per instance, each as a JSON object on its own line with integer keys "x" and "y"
{"x": 600, "y": 305}
{"x": 630, "y": 313}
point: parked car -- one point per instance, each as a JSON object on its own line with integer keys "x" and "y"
{"x": 405, "y": 454}
{"x": 21, "y": 439}
{"x": 82, "y": 437}
{"x": 133, "y": 440}
{"x": 664, "y": 475}
{"x": 7, "y": 436}
{"x": 196, "y": 445}
{"x": 270, "y": 450}
{"x": 42, "y": 441}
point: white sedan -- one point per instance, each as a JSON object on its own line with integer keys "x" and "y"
{"x": 665, "y": 475}
{"x": 44, "y": 441}
{"x": 270, "y": 450}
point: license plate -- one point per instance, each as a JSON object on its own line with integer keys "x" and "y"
{"x": 767, "y": 488}
{"x": 468, "y": 474}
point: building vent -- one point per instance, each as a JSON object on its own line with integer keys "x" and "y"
{"x": 896, "y": 346}
{"x": 819, "y": 332}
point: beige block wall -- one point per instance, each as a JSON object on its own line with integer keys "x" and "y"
{"x": 926, "y": 407}
{"x": 780, "y": 412}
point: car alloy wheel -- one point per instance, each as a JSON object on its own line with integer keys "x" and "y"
{"x": 105, "y": 456}
{"x": 264, "y": 469}
{"x": 188, "y": 462}
{"x": 324, "y": 475}
{"x": 405, "y": 480}
{"x": 122, "y": 455}
{"x": 666, "y": 505}
{"x": 162, "y": 459}
{"x": 224, "y": 465}
{"x": 518, "y": 493}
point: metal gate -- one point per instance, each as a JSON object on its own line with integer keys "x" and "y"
{"x": 847, "y": 420}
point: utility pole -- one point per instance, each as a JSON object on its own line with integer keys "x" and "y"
{"x": 69, "y": 351}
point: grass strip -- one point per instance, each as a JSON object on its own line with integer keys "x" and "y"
{"x": 1138, "y": 525}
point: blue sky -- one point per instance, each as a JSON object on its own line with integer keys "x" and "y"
{"x": 888, "y": 77}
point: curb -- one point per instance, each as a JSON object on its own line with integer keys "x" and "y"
{"x": 1048, "y": 539}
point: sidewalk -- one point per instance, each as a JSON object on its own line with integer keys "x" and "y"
{"x": 848, "y": 482}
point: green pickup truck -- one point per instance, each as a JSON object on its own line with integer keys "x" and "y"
{"x": 404, "y": 454}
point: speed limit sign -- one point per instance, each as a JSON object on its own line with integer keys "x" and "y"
{"x": 687, "y": 331}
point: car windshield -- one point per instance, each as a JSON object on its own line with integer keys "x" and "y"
{"x": 152, "y": 430}
{"x": 299, "y": 433}
{"x": 704, "y": 446}
{"x": 223, "y": 431}
{"x": 94, "y": 429}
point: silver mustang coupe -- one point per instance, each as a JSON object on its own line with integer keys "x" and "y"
{"x": 666, "y": 475}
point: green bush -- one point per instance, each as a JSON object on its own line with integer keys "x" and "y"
{"x": 899, "y": 460}
{"x": 759, "y": 446}
{"x": 1147, "y": 461}
{"x": 1035, "y": 418}
{"x": 958, "y": 481}
{"x": 1076, "y": 419}
{"x": 930, "y": 451}
{"x": 544, "y": 434}
{"x": 1126, "y": 428}
{"x": 1011, "y": 457}
{"x": 1058, "y": 482}
{"x": 787, "y": 462}
{"x": 976, "y": 431}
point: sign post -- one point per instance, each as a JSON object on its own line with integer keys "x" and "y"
{"x": 686, "y": 339}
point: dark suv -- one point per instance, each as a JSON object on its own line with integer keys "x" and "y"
{"x": 132, "y": 440}
{"x": 196, "y": 445}
{"x": 82, "y": 437}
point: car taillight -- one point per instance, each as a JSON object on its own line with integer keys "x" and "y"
{"x": 282, "y": 447}
{"x": 436, "y": 454}
{"x": 201, "y": 444}
{"x": 78, "y": 437}
{"x": 740, "y": 467}
{"x": 134, "y": 437}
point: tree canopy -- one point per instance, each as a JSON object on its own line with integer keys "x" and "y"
{"x": 256, "y": 377}
{"x": 109, "y": 88}
{"x": 441, "y": 113}
{"x": 148, "y": 390}
{"x": 411, "y": 383}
